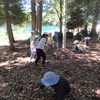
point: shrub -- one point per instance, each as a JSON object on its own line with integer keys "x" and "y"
{"x": 69, "y": 35}
{"x": 79, "y": 35}
{"x": 83, "y": 33}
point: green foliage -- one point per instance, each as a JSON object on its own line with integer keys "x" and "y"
{"x": 17, "y": 16}
{"x": 69, "y": 35}
{"x": 79, "y": 35}
{"x": 2, "y": 14}
{"x": 83, "y": 33}
{"x": 14, "y": 1}
{"x": 16, "y": 12}
{"x": 50, "y": 19}
{"x": 2, "y": 19}
{"x": 52, "y": 12}
{"x": 76, "y": 18}
{"x": 92, "y": 12}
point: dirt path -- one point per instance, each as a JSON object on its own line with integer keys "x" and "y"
{"x": 18, "y": 78}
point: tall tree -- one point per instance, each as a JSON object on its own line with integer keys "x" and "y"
{"x": 96, "y": 16}
{"x": 33, "y": 13}
{"x": 64, "y": 24}
{"x": 36, "y": 8}
{"x": 92, "y": 11}
{"x": 76, "y": 17}
{"x": 54, "y": 10}
{"x": 58, "y": 9}
{"x": 8, "y": 23}
{"x": 60, "y": 18}
{"x": 13, "y": 14}
{"x": 2, "y": 14}
{"x": 39, "y": 17}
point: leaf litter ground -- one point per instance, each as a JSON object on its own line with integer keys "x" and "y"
{"x": 18, "y": 77}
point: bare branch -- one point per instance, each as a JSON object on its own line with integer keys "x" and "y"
{"x": 57, "y": 12}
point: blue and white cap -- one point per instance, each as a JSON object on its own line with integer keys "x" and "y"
{"x": 37, "y": 36}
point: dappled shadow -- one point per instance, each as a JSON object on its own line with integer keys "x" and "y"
{"x": 95, "y": 98}
{"x": 18, "y": 77}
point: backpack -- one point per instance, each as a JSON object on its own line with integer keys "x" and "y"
{"x": 38, "y": 40}
{"x": 28, "y": 41}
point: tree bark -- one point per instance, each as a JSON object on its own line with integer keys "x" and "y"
{"x": 60, "y": 16}
{"x": 12, "y": 33}
{"x": 64, "y": 24}
{"x": 33, "y": 14}
{"x": 8, "y": 24}
{"x": 85, "y": 29}
{"x": 39, "y": 17}
{"x": 93, "y": 30}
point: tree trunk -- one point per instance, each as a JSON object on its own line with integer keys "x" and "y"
{"x": 93, "y": 30}
{"x": 11, "y": 33}
{"x": 33, "y": 14}
{"x": 60, "y": 16}
{"x": 85, "y": 29}
{"x": 10, "y": 29}
{"x": 6, "y": 3}
{"x": 40, "y": 26}
{"x": 39, "y": 18}
{"x": 64, "y": 24}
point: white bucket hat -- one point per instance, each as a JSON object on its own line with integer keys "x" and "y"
{"x": 76, "y": 41}
{"x": 45, "y": 33}
{"x": 50, "y": 79}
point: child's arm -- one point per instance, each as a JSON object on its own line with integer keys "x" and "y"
{"x": 37, "y": 89}
{"x": 41, "y": 87}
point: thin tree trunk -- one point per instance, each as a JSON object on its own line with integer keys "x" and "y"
{"x": 40, "y": 26}
{"x": 85, "y": 29}
{"x": 60, "y": 16}
{"x": 38, "y": 15}
{"x": 8, "y": 25}
{"x": 86, "y": 25}
{"x": 33, "y": 14}
{"x": 64, "y": 24}
{"x": 12, "y": 33}
{"x": 39, "y": 18}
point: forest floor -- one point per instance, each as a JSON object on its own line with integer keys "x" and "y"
{"x": 18, "y": 77}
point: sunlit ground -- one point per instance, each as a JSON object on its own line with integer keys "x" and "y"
{"x": 93, "y": 56}
{"x": 5, "y": 41}
{"x": 18, "y": 60}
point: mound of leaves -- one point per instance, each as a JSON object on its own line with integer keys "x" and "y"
{"x": 64, "y": 53}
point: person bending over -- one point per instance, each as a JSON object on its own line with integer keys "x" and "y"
{"x": 58, "y": 83}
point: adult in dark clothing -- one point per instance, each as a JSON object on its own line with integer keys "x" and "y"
{"x": 58, "y": 83}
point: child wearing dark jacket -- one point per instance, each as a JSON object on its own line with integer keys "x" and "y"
{"x": 58, "y": 83}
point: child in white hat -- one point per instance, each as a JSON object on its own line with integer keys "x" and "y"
{"x": 40, "y": 50}
{"x": 78, "y": 48}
